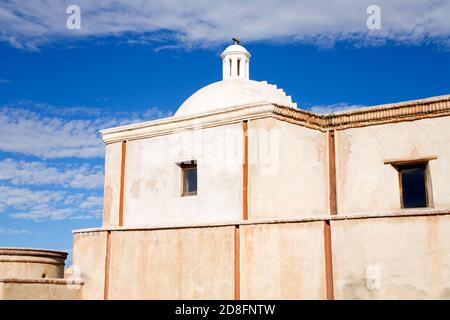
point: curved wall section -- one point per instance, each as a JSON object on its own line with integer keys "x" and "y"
{"x": 21, "y": 263}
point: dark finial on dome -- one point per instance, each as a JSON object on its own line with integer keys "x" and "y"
{"x": 235, "y": 40}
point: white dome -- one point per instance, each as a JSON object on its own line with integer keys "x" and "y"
{"x": 235, "y": 89}
{"x": 235, "y": 49}
{"x": 233, "y": 93}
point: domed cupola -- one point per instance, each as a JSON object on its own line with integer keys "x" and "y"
{"x": 235, "y": 62}
{"x": 236, "y": 89}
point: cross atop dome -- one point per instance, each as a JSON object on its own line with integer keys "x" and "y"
{"x": 235, "y": 62}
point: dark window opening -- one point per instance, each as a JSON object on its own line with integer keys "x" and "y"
{"x": 413, "y": 185}
{"x": 189, "y": 178}
{"x": 239, "y": 67}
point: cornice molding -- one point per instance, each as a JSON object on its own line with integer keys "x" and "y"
{"x": 395, "y": 112}
{"x": 33, "y": 253}
{"x": 403, "y": 213}
{"x": 388, "y": 113}
{"x": 56, "y": 281}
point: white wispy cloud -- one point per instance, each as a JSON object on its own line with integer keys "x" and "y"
{"x": 48, "y": 137}
{"x": 20, "y": 172}
{"x": 50, "y": 132}
{"x": 29, "y": 24}
{"x": 335, "y": 107}
{"x": 91, "y": 202}
{"x": 24, "y": 198}
{"x": 4, "y": 81}
{"x": 13, "y": 232}
{"x": 27, "y": 203}
{"x": 66, "y": 181}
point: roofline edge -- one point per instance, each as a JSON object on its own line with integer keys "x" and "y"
{"x": 395, "y": 112}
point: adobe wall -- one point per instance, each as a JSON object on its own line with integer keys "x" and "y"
{"x": 282, "y": 261}
{"x": 152, "y": 178}
{"x": 39, "y": 289}
{"x": 22, "y": 263}
{"x": 287, "y": 161}
{"x": 287, "y": 170}
{"x": 394, "y": 256}
{"x": 36, "y": 274}
{"x": 89, "y": 254}
{"x": 366, "y": 184}
{"x": 172, "y": 264}
{"x": 111, "y": 194}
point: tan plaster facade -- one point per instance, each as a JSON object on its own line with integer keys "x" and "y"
{"x": 282, "y": 261}
{"x": 282, "y": 251}
{"x": 13, "y": 289}
{"x": 89, "y": 255}
{"x": 172, "y": 264}
{"x": 152, "y": 190}
{"x": 36, "y": 274}
{"x": 363, "y": 175}
{"x": 295, "y": 175}
{"x": 31, "y": 263}
{"x": 113, "y": 155}
{"x": 408, "y": 258}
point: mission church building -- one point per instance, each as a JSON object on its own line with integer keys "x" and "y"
{"x": 243, "y": 195}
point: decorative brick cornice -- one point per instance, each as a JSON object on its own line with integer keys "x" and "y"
{"x": 396, "y": 112}
{"x": 388, "y": 113}
{"x": 310, "y": 119}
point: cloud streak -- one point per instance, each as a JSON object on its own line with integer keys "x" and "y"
{"x": 15, "y": 232}
{"x": 40, "y": 173}
{"x": 30, "y": 24}
{"x": 38, "y": 205}
{"x": 51, "y": 168}
{"x": 51, "y": 132}
{"x": 335, "y": 107}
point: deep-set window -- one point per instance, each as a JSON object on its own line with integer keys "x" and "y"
{"x": 413, "y": 185}
{"x": 189, "y": 178}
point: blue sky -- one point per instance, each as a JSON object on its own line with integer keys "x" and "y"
{"x": 58, "y": 88}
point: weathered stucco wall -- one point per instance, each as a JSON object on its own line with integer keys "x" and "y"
{"x": 89, "y": 254}
{"x": 282, "y": 261}
{"x": 27, "y": 273}
{"x": 392, "y": 258}
{"x": 289, "y": 163}
{"x": 153, "y": 179}
{"x": 113, "y": 160}
{"x": 172, "y": 264}
{"x": 25, "y": 263}
{"x": 366, "y": 184}
{"x": 45, "y": 289}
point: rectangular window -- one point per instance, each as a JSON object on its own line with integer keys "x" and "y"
{"x": 413, "y": 185}
{"x": 189, "y": 178}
